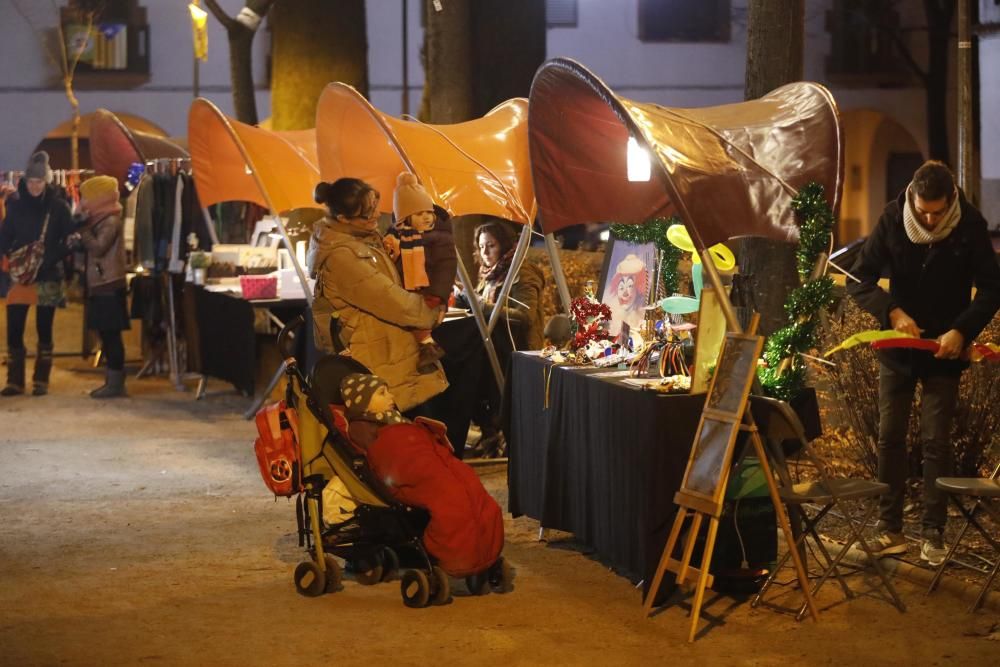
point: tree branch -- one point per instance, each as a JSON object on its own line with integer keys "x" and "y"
{"x": 227, "y": 21}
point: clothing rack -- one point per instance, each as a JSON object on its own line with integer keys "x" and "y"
{"x": 59, "y": 176}
{"x": 170, "y": 166}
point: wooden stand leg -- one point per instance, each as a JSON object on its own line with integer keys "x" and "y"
{"x": 689, "y": 540}
{"x": 661, "y": 569}
{"x": 699, "y": 592}
{"x": 779, "y": 510}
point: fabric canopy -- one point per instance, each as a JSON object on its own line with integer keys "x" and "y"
{"x": 477, "y": 167}
{"x": 114, "y": 147}
{"x": 726, "y": 171}
{"x": 233, "y": 161}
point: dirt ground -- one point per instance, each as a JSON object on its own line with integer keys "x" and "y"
{"x": 138, "y": 532}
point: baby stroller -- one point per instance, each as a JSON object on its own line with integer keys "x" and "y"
{"x": 378, "y": 532}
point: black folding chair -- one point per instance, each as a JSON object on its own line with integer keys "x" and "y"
{"x": 986, "y": 492}
{"x": 784, "y": 436}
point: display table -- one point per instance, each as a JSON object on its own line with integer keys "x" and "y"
{"x": 222, "y": 342}
{"x": 602, "y": 461}
{"x": 596, "y": 457}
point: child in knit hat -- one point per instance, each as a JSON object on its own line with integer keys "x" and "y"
{"x": 423, "y": 248}
{"x": 368, "y": 406}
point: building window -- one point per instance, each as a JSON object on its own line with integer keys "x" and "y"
{"x": 113, "y": 47}
{"x": 862, "y": 49}
{"x": 684, "y": 20}
{"x": 560, "y": 13}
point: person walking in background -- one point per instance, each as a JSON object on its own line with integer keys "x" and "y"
{"x": 102, "y": 237}
{"x": 935, "y": 247}
{"x": 359, "y": 289}
{"x": 33, "y": 237}
{"x": 422, "y": 245}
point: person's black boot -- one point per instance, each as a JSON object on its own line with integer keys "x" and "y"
{"x": 114, "y": 386}
{"x": 43, "y": 368}
{"x": 15, "y": 372}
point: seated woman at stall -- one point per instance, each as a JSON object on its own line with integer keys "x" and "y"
{"x": 494, "y": 251}
{"x": 360, "y": 305}
{"x": 474, "y": 394}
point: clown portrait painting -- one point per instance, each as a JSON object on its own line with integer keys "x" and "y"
{"x": 628, "y": 273}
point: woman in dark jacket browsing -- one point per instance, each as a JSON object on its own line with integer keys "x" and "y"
{"x": 102, "y": 238}
{"x": 36, "y": 207}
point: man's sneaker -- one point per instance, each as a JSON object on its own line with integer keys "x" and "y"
{"x": 932, "y": 550}
{"x": 888, "y": 543}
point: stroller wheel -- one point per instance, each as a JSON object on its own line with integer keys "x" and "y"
{"x": 368, "y": 571}
{"x": 415, "y": 588}
{"x": 478, "y": 584}
{"x": 309, "y": 579}
{"x": 390, "y": 564}
{"x": 442, "y": 586}
{"x": 334, "y": 575}
{"x": 501, "y": 576}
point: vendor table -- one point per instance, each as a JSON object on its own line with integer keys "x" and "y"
{"x": 594, "y": 456}
{"x": 222, "y": 340}
{"x": 598, "y": 458}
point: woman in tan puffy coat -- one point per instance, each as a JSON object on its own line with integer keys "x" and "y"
{"x": 360, "y": 291}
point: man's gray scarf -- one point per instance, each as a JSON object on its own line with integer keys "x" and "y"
{"x": 917, "y": 233}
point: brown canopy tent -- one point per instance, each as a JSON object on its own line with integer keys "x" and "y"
{"x": 114, "y": 146}
{"x": 726, "y": 171}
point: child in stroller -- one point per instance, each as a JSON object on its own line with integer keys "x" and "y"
{"x": 412, "y": 497}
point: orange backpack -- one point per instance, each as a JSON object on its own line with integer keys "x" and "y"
{"x": 277, "y": 449}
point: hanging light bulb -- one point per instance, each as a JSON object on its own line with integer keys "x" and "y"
{"x": 637, "y": 162}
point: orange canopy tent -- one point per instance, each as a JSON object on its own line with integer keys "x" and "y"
{"x": 726, "y": 171}
{"x": 114, "y": 146}
{"x": 233, "y": 161}
{"x": 477, "y": 167}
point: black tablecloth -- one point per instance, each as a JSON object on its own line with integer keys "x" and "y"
{"x": 221, "y": 337}
{"x": 603, "y": 461}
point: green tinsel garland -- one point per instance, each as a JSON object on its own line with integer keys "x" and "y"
{"x": 803, "y": 303}
{"x": 654, "y": 231}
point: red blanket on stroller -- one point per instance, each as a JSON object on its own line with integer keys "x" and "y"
{"x": 465, "y": 533}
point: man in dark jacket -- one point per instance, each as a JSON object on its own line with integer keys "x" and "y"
{"x": 934, "y": 246}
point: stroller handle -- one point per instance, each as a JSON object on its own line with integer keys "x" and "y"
{"x": 287, "y": 332}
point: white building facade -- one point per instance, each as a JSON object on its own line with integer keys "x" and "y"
{"x": 681, "y": 53}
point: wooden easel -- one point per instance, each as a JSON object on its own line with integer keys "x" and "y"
{"x": 707, "y": 475}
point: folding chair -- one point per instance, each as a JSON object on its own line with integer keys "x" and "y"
{"x": 986, "y": 491}
{"x": 784, "y": 436}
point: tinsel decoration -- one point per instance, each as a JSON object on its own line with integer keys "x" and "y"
{"x": 806, "y": 300}
{"x": 783, "y": 374}
{"x": 654, "y": 231}
{"x": 816, "y": 223}
{"x": 589, "y": 318}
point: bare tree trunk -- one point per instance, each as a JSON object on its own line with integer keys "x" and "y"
{"x": 939, "y": 16}
{"x": 241, "y": 31}
{"x": 447, "y": 55}
{"x": 508, "y": 48}
{"x": 774, "y": 45}
{"x": 774, "y": 58}
{"x": 315, "y": 43}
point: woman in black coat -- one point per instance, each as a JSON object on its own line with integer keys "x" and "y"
{"x": 37, "y": 205}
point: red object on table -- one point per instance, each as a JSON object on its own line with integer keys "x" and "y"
{"x": 259, "y": 287}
